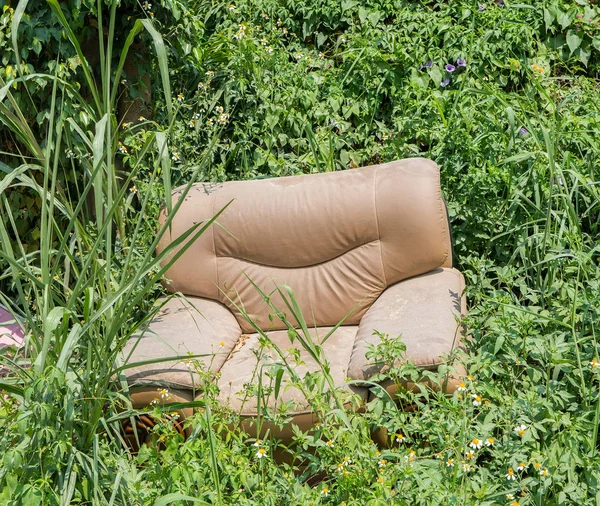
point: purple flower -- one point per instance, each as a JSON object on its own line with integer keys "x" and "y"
{"x": 449, "y": 67}
{"x": 482, "y": 7}
{"x": 461, "y": 63}
{"x": 500, "y": 3}
{"x": 523, "y": 131}
{"x": 445, "y": 82}
{"x": 427, "y": 65}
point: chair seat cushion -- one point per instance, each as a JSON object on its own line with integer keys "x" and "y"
{"x": 254, "y": 361}
{"x": 182, "y": 327}
{"x": 424, "y": 310}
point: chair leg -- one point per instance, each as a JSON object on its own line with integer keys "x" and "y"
{"x": 143, "y": 424}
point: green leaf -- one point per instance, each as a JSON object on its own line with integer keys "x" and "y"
{"x": 362, "y": 15}
{"x": 68, "y": 347}
{"x": 563, "y": 20}
{"x": 171, "y": 498}
{"x": 161, "y": 54}
{"x": 573, "y": 41}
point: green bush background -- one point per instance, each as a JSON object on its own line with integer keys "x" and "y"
{"x": 310, "y": 86}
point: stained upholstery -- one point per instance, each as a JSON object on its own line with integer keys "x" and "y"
{"x": 373, "y": 241}
{"x": 423, "y": 311}
{"x": 260, "y": 361}
{"x": 342, "y": 236}
{"x": 183, "y": 327}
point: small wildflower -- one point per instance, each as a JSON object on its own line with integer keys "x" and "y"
{"x": 490, "y": 441}
{"x": 476, "y": 399}
{"x": 219, "y": 109}
{"x": 201, "y": 85}
{"x": 261, "y": 453}
{"x": 347, "y": 461}
{"x": 380, "y": 479}
{"x": 520, "y": 429}
{"x": 209, "y": 73}
{"x": 411, "y": 457}
{"x": 258, "y": 442}
{"x": 123, "y": 81}
{"x": 462, "y": 386}
{"x": 330, "y": 443}
{"x": 164, "y": 393}
{"x": 191, "y": 123}
{"x": 439, "y": 455}
{"x": 500, "y": 3}
{"x": 223, "y": 118}
{"x": 400, "y": 438}
{"x": 266, "y": 16}
{"x": 522, "y": 466}
{"x": 325, "y": 492}
{"x": 593, "y": 363}
{"x": 522, "y": 131}
{"x": 482, "y": 7}
{"x": 133, "y": 189}
{"x": 450, "y": 463}
{"x": 514, "y": 503}
{"x": 510, "y": 474}
{"x": 285, "y": 32}
{"x": 151, "y": 14}
{"x": 449, "y": 67}
{"x": 510, "y": 496}
{"x": 141, "y": 118}
{"x": 544, "y": 472}
{"x": 321, "y": 55}
{"x": 445, "y": 82}
{"x": 210, "y": 122}
{"x": 188, "y": 363}
{"x": 154, "y": 402}
{"x": 231, "y": 7}
{"x": 279, "y": 22}
{"x": 122, "y": 149}
{"x": 537, "y": 466}
{"x": 269, "y": 49}
{"x": 238, "y": 35}
{"x": 469, "y": 455}
{"x": 147, "y": 6}
{"x": 69, "y": 154}
{"x": 460, "y": 62}
{"x": 476, "y": 444}
{"x": 180, "y": 97}
{"x": 467, "y": 468}
{"x": 175, "y": 156}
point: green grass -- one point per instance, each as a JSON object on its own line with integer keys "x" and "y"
{"x": 334, "y": 85}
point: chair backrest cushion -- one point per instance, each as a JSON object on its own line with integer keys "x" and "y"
{"x": 338, "y": 239}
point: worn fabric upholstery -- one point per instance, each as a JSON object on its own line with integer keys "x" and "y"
{"x": 338, "y": 239}
{"x": 182, "y": 327}
{"x": 373, "y": 242}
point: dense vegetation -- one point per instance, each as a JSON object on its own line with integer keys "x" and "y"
{"x": 502, "y": 95}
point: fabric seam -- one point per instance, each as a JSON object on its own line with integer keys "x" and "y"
{"x": 377, "y": 225}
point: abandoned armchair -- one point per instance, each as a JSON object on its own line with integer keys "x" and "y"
{"x": 368, "y": 247}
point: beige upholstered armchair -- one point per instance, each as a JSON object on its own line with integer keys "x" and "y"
{"x": 374, "y": 239}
